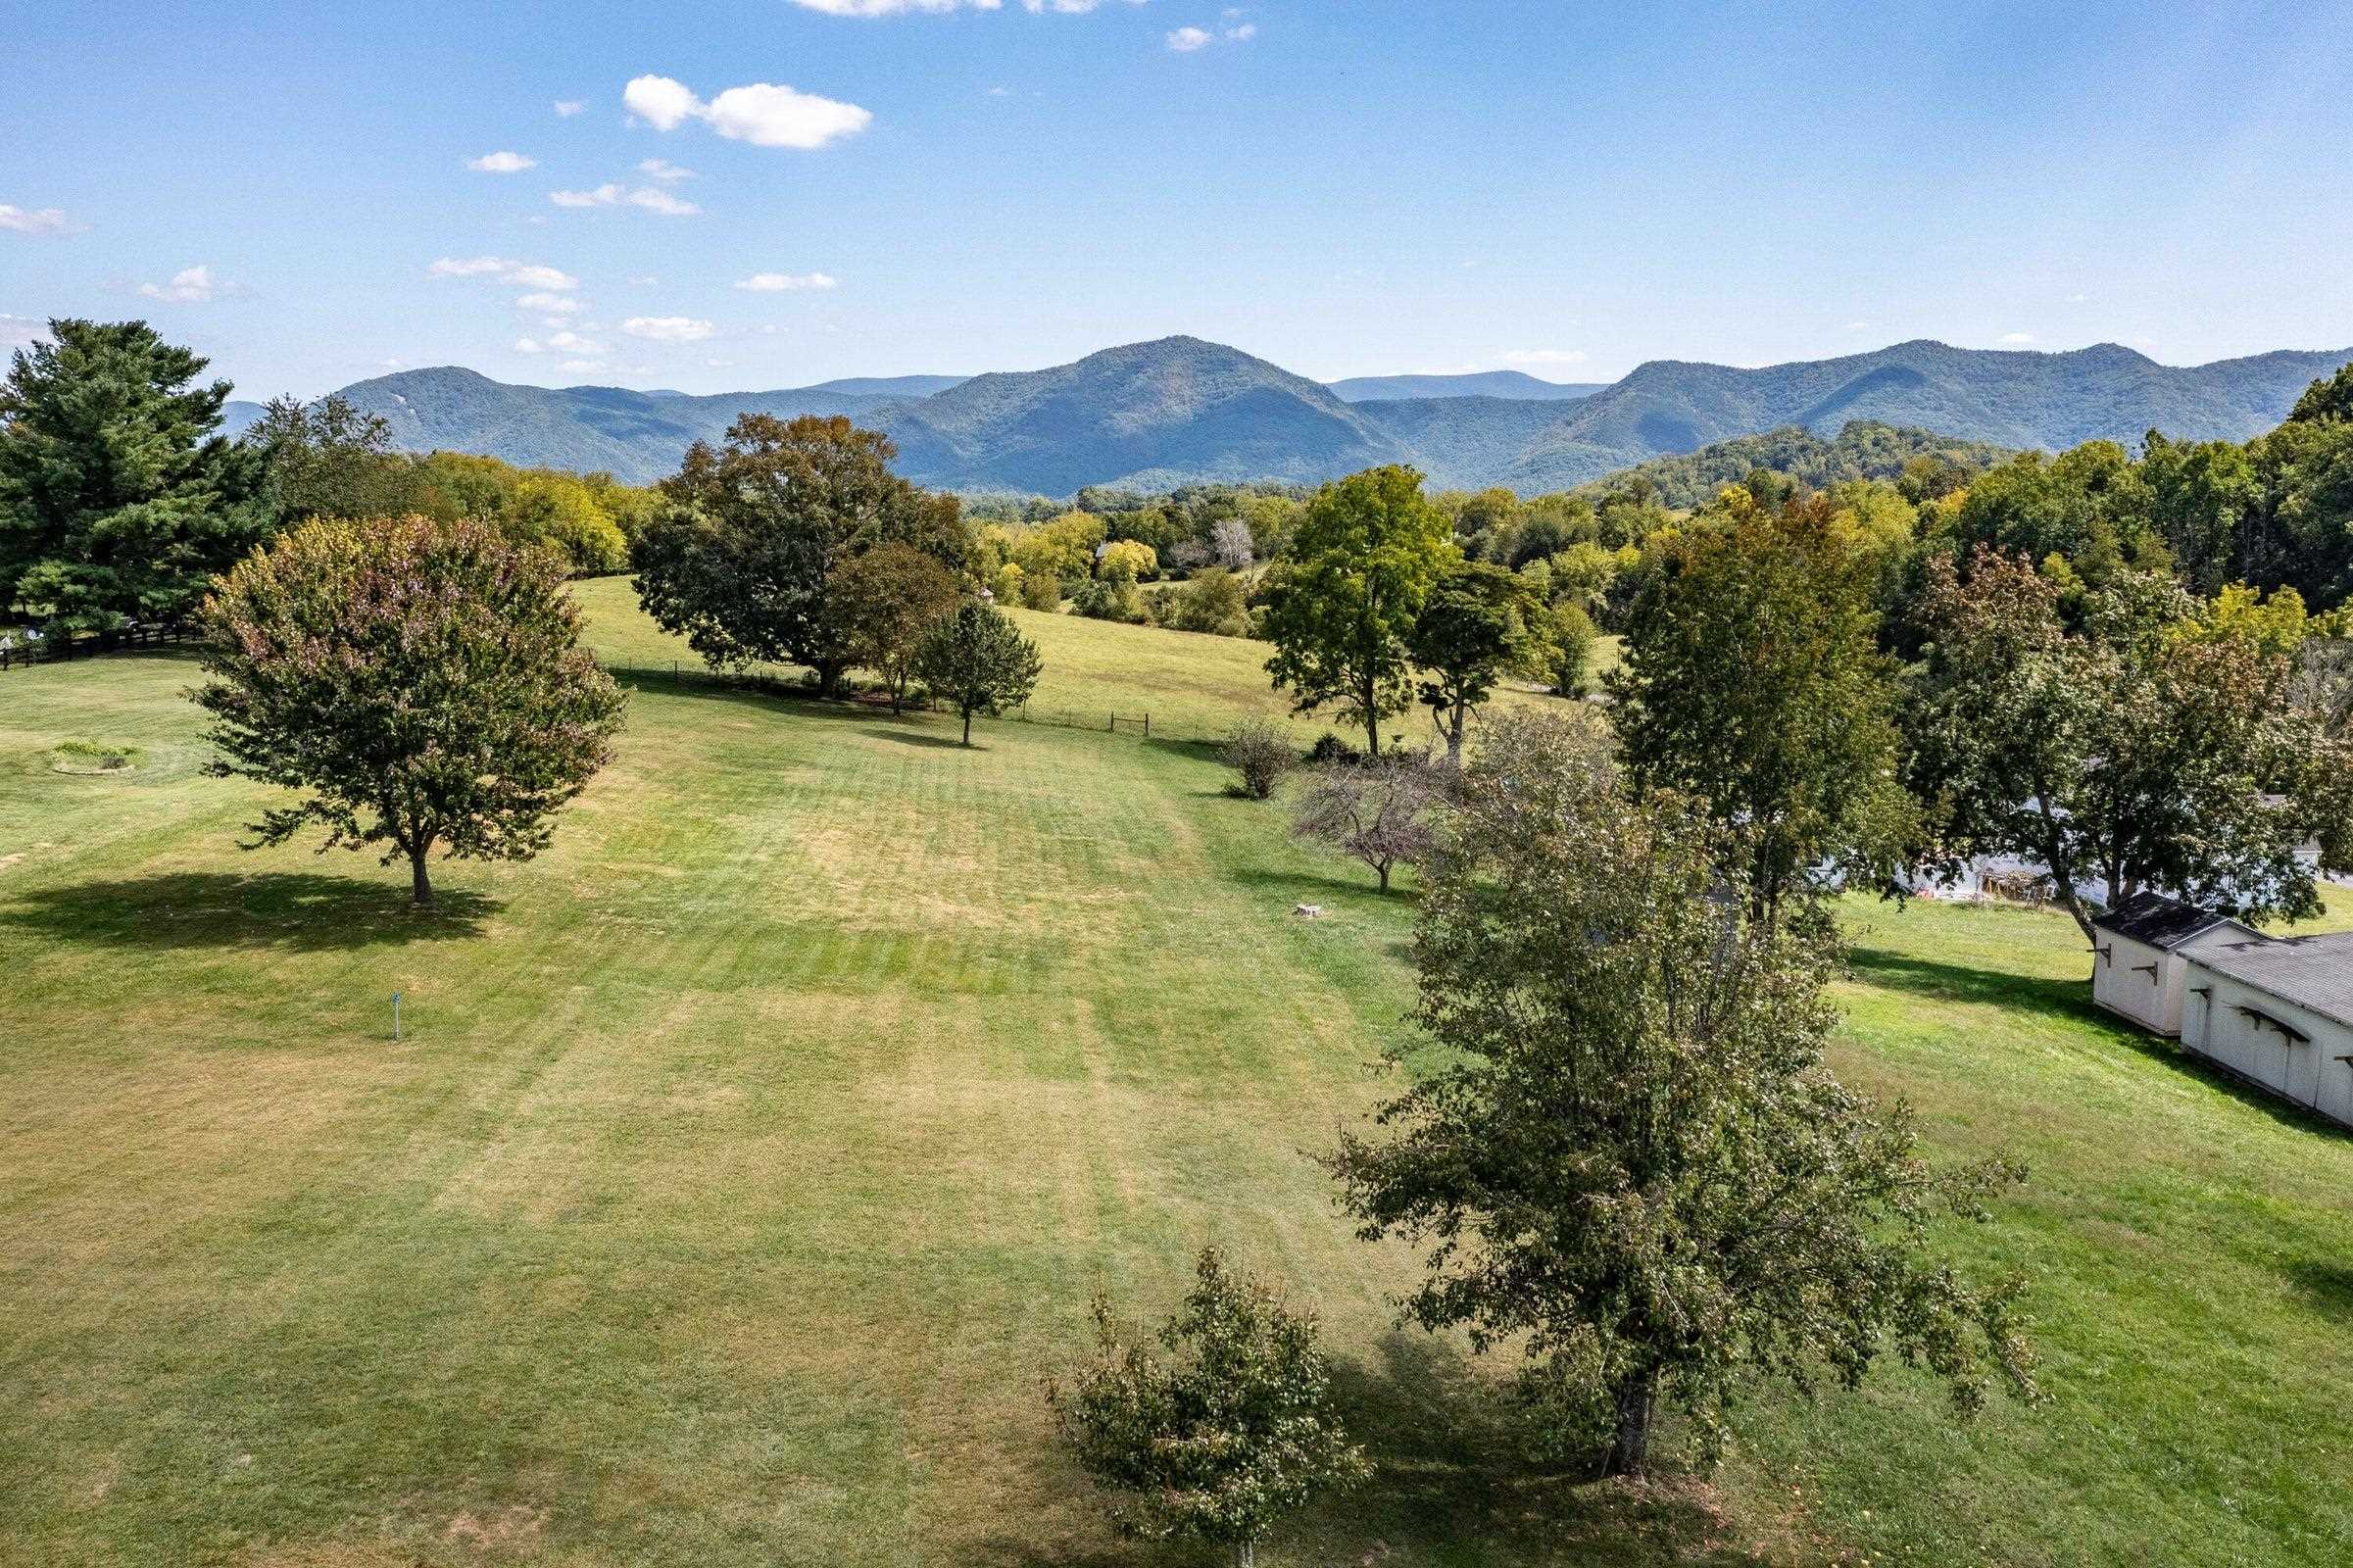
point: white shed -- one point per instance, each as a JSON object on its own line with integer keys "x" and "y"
{"x": 2280, "y": 1013}
{"x": 2141, "y": 951}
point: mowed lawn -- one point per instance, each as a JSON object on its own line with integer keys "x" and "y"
{"x": 747, "y": 1159}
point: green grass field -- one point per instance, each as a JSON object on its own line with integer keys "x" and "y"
{"x": 747, "y": 1159}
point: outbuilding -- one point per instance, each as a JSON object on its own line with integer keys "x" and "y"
{"x": 2140, "y": 955}
{"x": 2279, "y": 1013}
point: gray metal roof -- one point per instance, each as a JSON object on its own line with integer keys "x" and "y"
{"x": 2315, "y": 973}
{"x": 2157, "y": 921}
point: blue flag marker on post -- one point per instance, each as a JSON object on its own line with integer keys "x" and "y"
{"x": 396, "y": 1015}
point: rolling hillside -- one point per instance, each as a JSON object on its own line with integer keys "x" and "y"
{"x": 1181, "y": 409}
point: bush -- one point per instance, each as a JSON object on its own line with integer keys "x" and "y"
{"x": 1041, "y": 590}
{"x": 1330, "y": 747}
{"x": 1109, "y": 599}
{"x": 1212, "y": 601}
{"x": 1258, "y": 753}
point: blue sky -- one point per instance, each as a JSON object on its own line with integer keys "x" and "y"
{"x": 1343, "y": 186}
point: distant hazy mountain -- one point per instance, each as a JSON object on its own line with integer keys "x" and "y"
{"x": 1477, "y": 384}
{"x": 238, "y": 417}
{"x": 1180, "y": 409}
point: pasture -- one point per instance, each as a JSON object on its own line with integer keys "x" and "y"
{"x": 746, "y": 1161}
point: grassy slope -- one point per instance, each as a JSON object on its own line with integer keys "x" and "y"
{"x": 749, "y": 1157}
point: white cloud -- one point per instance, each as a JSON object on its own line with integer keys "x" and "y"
{"x": 573, "y": 343}
{"x": 668, "y": 328}
{"x": 21, "y": 331}
{"x": 190, "y": 285}
{"x": 661, "y": 102}
{"x": 500, "y": 164}
{"x": 785, "y": 283}
{"x": 668, "y": 173}
{"x": 524, "y": 275}
{"x": 581, "y": 364}
{"x": 2077, "y": 299}
{"x": 525, "y": 345}
{"x": 557, "y": 303}
{"x": 663, "y": 202}
{"x": 1244, "y": 33}
{"x": 566, "y": 108}
{"x": 1526, "y": 356}
{"x": 778, "y": 117}
{"x": 648, "y": 280}
{"x": 613, "y": 195}
{"x": 2014, "y": 338}
{"x": 760, "y": 113}
{"x": 1186, "y": 39}
{"x": 36, "y": 220}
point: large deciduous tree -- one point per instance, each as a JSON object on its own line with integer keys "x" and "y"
{"x": 1365, "y": 556}
{"x": 2154, "y": 746}
{"x": 1752, "y": 682}
{"x": 1472, "y": 632}
{"x": 892, "y": 596}
{"x": 979, "y": 662}
{"x": 1630, "y": 1164}
{"x": 421, "y": 683}
{"x": 116, "y": 498}
{"x": 745, "y": 560}
{"x": 1221, "y": 1443}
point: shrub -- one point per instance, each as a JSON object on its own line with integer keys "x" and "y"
{"x": 1330, "y": 747}
{"x": 1257, "y": 752}
{"x": 1041, "y": 590}
{"x": 1220, "y": 1444}
{"x": 1109, "y": 599}
{"x": 1211, "y": 601}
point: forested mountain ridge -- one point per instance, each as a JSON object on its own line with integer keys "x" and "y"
{"x": 1863, "y": 449}
{"x": 2010, "y": 398}
{"x": 1180, "y": 409}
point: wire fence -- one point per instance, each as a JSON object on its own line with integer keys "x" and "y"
{"x": 21, "y": 650}
{"x": 1141, "y": 723}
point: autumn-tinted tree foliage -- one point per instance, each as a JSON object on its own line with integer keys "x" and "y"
{"x": 421, "y": 683}
{"x": 1366, "y": 555}
{"x": 1223, "y": 1441}
{"x": 1753, "y": 682}
{"x": 978, "y": 662}
{"x": 1630, "y": 1163}
{"x": 745, "y": 561}
{"x": 2153, "y": 745}
{"x": 891, "y": 597}
{"x": 116, "y": 498}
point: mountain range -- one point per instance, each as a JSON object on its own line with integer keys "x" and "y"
{"x": 1179, "y": 410}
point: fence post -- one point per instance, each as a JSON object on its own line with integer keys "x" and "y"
{"x": 1147, "y": 725}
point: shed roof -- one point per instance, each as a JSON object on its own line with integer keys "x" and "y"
{"x": 2315, "y": 973}
{"x": 2157, "y": 921}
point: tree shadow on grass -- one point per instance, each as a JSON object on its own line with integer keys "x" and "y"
{"x": 1956, "y": 982}
{"x": 2071, "y": 1000}
{"x": 2325, "y": 1285}
{"x": 1452, "y": 1483}
{"x": 911, "y": 737}
{"x": 1366, "y": 889}
{"x": 289, "y": 910}
{"x": 1454, "y": 1473}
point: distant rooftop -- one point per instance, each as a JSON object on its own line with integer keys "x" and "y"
{"x": 2159, "y": 921}
{"x": 2314, "y": 973}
